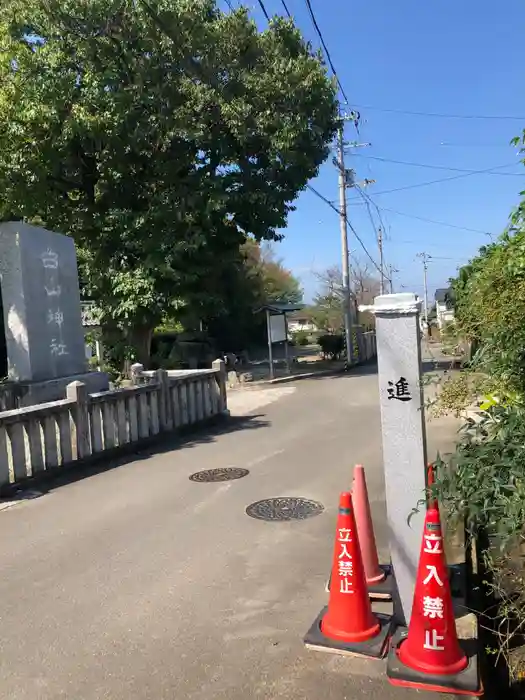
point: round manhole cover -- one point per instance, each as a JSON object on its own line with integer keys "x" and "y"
{"x": 226, "y": 474}
{"x": 280, "y": 509}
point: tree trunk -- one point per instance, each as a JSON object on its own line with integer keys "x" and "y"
{"x": 140, "y": 339}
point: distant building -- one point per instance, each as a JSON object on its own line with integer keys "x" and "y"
{"x": 444, "y": 306}
{"x": 300, "y": 322}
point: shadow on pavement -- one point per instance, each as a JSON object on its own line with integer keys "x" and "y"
{"x": 160, "y": 444}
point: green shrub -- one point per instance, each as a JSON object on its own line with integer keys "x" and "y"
{"x": 483, "y": 482}
{"x": 332, "y": 345}
{"x": 300, "y": 338}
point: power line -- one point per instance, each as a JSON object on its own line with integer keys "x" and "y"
{"x": 433, "y": 167}
{"x": 442, "y": 115}
{"x": 286, "y": 8}
{"x": 323, "y": 44}
{"x": 263, "y": 8}
{"x": 367, "y": 204}
{"x": 378, "y": 233}
{"x": 439, "y": 257}
{"x": 366, "y": 197}
{"x": 419, "y": 218}
{"x": 434, "y": 221}
{"x": 443, "y": 179}
{"x": 327, "y": 201}
{"x": 451, "y": 144}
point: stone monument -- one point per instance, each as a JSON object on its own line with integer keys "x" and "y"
{"x": 403, "y": 433}
{"x": 42, "y": 317}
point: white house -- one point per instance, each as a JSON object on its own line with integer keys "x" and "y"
{"x": 299, "y": 322}
{"x": 444, "y": 308}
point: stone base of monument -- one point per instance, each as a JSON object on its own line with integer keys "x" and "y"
{"x": 31, "y": 393}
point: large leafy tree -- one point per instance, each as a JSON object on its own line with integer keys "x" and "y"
{"x": 157, "y": 133}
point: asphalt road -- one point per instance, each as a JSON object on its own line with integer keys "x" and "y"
{"x": 135, "y": 583}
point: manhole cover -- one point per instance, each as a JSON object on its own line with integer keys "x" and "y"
{"x": 284, "y": 509}
{"x": 226, "y": 474}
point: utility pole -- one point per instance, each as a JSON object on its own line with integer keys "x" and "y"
{"x": 344, "y": 243}
{"x": 381, "y": 260}
{"x": 392, "y": 270}
{"x": 425, "y": 257}
{"x": 346, "y": 178}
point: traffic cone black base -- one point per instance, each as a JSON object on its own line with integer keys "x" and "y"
{"x": 383, "y": 589}
{"x": 374, "y": 648}
{"x": 465, "y": 682}
{"x": 376, "y": 591}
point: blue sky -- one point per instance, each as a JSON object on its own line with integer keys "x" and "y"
{"x": 462, "y": 57}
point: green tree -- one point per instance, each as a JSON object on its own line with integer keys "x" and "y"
{"x": 327, "y": 310}
{"x": 277, "y": 282}
{"x": 490, "y": 308}
{"x": 253, "y": 278}
{"x": 159, "y": 134}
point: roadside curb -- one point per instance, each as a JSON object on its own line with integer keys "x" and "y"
{"x": 305, "y": 375}
{"x": 312, "y": 375}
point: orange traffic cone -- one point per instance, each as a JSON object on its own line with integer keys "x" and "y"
{"x": 430, "y": 656}
{"x": 348, "y": 625}
{"x": 377, "y": 578}
{"x": 431, "y": 503}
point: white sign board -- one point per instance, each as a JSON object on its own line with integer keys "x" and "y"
{"x": 278, "y": 328}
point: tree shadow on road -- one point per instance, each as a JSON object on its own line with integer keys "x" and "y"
{"x": 119, "y": 457}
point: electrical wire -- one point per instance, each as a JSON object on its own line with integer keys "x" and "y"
{"x": 367, "y": 204}
{"x": 438, "y": 257}
{"x": 263, "y": 8}
{"x": 443, "y": 179}
{"x": 323, "y": 44}
{"x": 419, "y": 218}
{"x": 433, "y": 167}
{"x": 365, "y": 196}
{"x": 327, "y": 201}
{"x": 439, "y": 223}
{"x": 286, "y": 8}
{"x": 442, "y": 115}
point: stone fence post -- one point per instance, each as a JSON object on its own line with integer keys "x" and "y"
{"x": 80, "y": 438}
{"x": 403, "y": 434}
{"x": 165, "y": 405}
{"x": 136, "y": 371}
{"x": 220, "y": 368}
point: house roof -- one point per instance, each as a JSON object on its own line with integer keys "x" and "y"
{"x": 441, "y": 295}
{"x": 300, "y": 315}
{"x": 277, "y": 307}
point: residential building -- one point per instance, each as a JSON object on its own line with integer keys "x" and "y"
{"x": 300, "y": 322}
{"x": 444, "y": 307}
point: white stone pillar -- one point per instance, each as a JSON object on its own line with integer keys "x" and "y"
{"x": 403, "y": 433}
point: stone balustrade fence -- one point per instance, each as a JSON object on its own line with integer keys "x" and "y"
{"x": 48, "y": 436}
